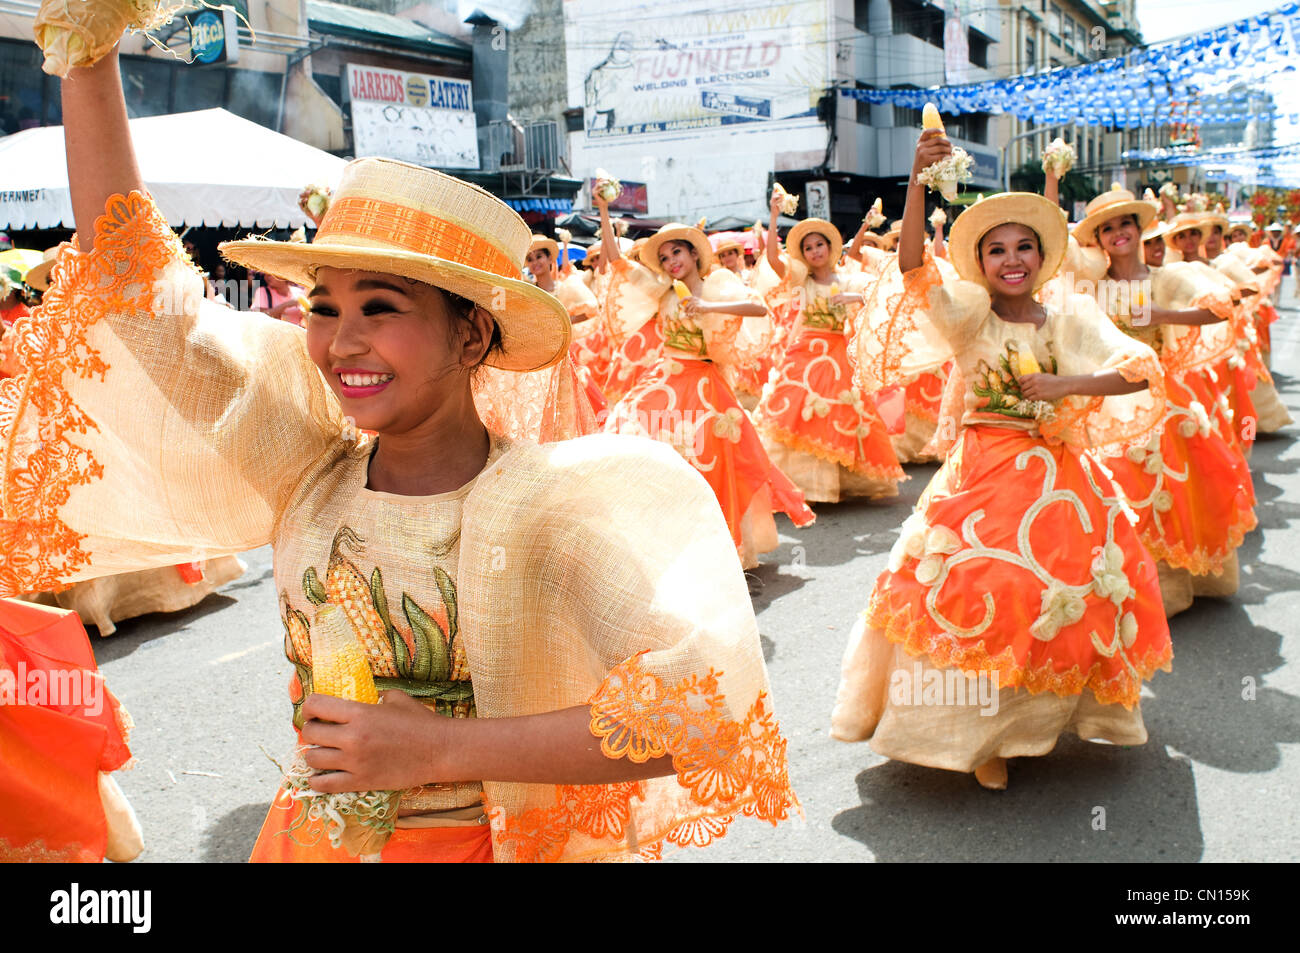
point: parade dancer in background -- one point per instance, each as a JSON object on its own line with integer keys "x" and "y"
{"x": 820, "y": 429}
{"x": 1189, "y": 485}
{"x": 684, "y": 397}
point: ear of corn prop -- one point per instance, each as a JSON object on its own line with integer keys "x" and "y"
{"x": 607, "y": 187}
{"x": 875, "y": 216}
{"x": 1059, "y": 158}
{"x": 82, "y": 32}
{"x": 360, "y": 822}
{"x": 789, "y": 203}
{"x": 683, "y": 292}
{"x": 944, "y": 176}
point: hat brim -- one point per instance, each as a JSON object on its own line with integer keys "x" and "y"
{"x": 1008, "y": 208}
{"x": 1085, "y": 233}
{"x": 814, "y": 226}
{"x": 1177, "y": 229}
{"x": 38, "y": 276}
{"x": 649, "y": 254}
{"x": 534, "y": 325}
{"x": 550, "y": 245}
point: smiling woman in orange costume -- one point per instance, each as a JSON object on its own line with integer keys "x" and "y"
{"x": 451, "y": 560}
{"x": 1018, "y": 568}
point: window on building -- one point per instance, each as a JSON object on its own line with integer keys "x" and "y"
{"x": 23, "y": 93}
{"x": 920, "y": 20}
{"x": 332, "y": 85}
{"x": 906, "y": 117}
{"x": 255, "y": 95}
{"x": 973, "y": 127}
{"x": 147, "y": 85}
{"x": 1031, "y": 54}
{"x": 979, "y": 49}
{"x": 1054, "y": 24}
{"x": 199, "y": 89}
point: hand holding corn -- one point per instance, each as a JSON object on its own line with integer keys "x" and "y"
{"x": 360, "y": 822}
{"x": 945, "y": 167}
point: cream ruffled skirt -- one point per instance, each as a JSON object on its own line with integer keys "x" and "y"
{"x": 884, "y": 699}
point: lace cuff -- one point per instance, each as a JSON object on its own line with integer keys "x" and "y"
{"x": 724, "y": 767}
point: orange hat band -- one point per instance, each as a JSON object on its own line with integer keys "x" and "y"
{"x": 411, "y": 229}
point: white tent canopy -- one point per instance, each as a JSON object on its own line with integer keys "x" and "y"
{"x": 208, "y": 167}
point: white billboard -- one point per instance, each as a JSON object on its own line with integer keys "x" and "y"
{"x": 418, "y": 118}
{"x": 651, "y": 68}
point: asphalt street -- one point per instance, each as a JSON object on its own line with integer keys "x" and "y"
{"x": 1216, "y": 782}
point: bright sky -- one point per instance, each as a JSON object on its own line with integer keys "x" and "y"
{"x": 1166, "y": 19}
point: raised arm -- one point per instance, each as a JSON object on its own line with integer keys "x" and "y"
{"x": 101, "y": 158}
{"x": 773, "y": 243}
{"x": 1197, "y": 316}
{"x": 855, "y": 250}
{"x": 1052, "y": 188}
{"x": 609, "y": 250}
{"x": 930, "y": 148}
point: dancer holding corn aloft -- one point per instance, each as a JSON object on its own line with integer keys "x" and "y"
{"x": 629, "y": 304}
{"x": 819, "y": 427}
{"x": 1019, "y": 567}
{"x": 1189, "y": 485}
{"x": 685, "y": 399}
{"x": 464, "y": 561}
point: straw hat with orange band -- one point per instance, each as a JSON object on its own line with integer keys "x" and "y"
{"x": 398, "y": 219}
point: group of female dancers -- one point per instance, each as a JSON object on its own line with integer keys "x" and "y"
{"x": 557, "y": 618}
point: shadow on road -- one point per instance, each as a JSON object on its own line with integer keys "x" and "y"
{"x": 230, "y": 840}
{"x": 1145, "y": 797}
{"x": 133, "y": 634}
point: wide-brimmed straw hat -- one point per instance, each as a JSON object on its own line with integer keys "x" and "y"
{"x": 1156, "y": 229}
{"x": 1184, "y": 222}
{"x": 1210, "y": 219}
{"x": 1112, "y": 204}
{"x": 676, "y": 232}
{"x": 1033, "y": 211}
{"x": 38, "y": 276}
{"x": 399, "y": 219}
{"x": 545, "y": 244}
{"x": 814, "y": 226}
{"x": 874, "y": 239}
{"x": 722, "y": 241}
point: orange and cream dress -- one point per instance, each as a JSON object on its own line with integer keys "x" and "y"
{"x": 685, "y": 400}
{"x": 819, "y": 427}
{"x": 1019, "y": 565}
{"x": 629, "y": 303}
{"x": 593, "y": 571}
{"x": 1189, "y": 484}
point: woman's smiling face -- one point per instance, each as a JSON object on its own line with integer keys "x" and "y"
{"x": 816, "y": 250}
{"x": 1119, "y": 235}
{"x": 1011, "y": 259}
{"x": 678, "y": 259}
{"x": 394, "y": 350}
{"x": 538, "y": 261}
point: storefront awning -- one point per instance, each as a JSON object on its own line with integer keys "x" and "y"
{"x": 541, "y": 205}
{"x": 208, "y": 167}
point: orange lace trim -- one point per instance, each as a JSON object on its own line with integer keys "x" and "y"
{"x": 1190, "y": 351}
{"x": 1200, "y": 561}
{"x": 883, "y": 364}
{"x": 900, "y": 624}
{"x": 1087, "y": 422}
{"x": 41, "y": 464}
{"x": 823, "y": 451}
{"x": 729, "y": 767}
{"x": 36, "y": 852}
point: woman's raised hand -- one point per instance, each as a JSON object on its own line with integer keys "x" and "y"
{"x": 930, "y": 148}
